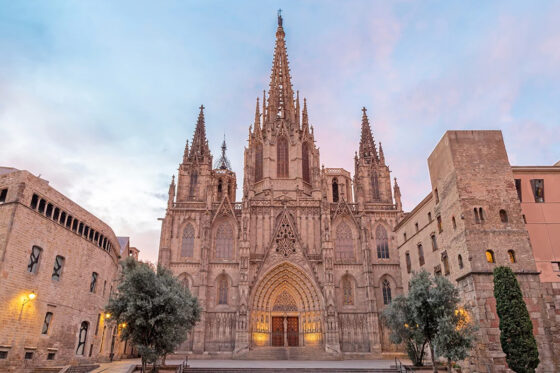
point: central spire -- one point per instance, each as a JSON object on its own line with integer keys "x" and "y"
{"x": 199, "y": 148}
{"x": 367, "y": 144}
{"x": 280, "y": 94}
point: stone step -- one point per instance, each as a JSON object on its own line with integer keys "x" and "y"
{"x": 288, "y": 353}
{"x": 299, "y": 370}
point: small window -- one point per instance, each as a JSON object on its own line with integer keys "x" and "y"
{"x": 62, "y": 218}
{"x": 439, "y": 224}
{"x": 538, "y": 189}
{"x": 436, "y": 195}
{"x": 34, "y": 257}
{"x": 408, "y": 263}
{"x": 481, "y": 214}
{"x": 420, "y": 255}
{"x": 434, "y": 242}
{"x": 3, "y": 355}
{"x": 93, "y": 282}
{"x": 430, "y": 217}
{"x": 47, "y": 323}
{"x": 97, "y": 323}
{"x": 28, "y": 355}
{"x": 382, "y": 242}
{"x": 503, "y": 216}
{"x": 335, "y": 190}
{"x": 69, "y": 221}
{"x": 518, "y": 188}
{"x": 524, "y": 219}
{"x": 404, "y": 236}
{"x": 34, "y": 201}
{"x": 445, "y": 262}
{"x": 416, "y": 226}
{"x": 476, "y": 216}
{"x": 460, "y": 260}
{"x": 57, "y": 269}
{"x": 511, "y": 255}
{"x": 490, "y": 256}
{"x": 223, "y": 290}
{"x": 3, "y": 195}
{"x": 453, "y": 222}
{"x": 387, "y": 297}
{"x": 42, "y": 205}
{"x": 56, "y": 214}
{"x": 82, "y": 337}
{"x": 437, "y": 270}
{"x": 49, "y": 211}
{"x": 51, "y": 355}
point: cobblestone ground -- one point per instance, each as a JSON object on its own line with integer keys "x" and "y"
{"x": 123, "y": 365}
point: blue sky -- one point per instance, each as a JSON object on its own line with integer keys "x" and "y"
{"x": 100, "y": 97}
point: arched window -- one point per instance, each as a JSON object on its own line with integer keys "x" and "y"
{"x": 184, "y": 279}
{"x": 503, "y": 216}
{"x": 490, "y": 256}
{"x": 344, "y": 244}
{"x": 335, "y": 190}
{"x": 374, "y": 186}
{"x": 347, "y": 291}
{"x": 194, "y": 181}
{"x": 224, "y": 241}
{"x": 511, "y": 255}
{"x": 259, "y": 162}
{"x": 282, "y": 157}
{"x": 305, "y": 162}
{"x": 382, "y": 242}
{"x": 187, "y": 246}
{"x": 220, "y": 188}
{"x": 460, "y": 260}
{"x": 387, "y": 297}
{"x": 223, "y": 290}
{"x": 82, "y": 338}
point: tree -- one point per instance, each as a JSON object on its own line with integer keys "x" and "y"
{"x": 516, "y": 337}
{"x": 398, "y": 317}
{"x": 156, "y": 310}
{"x": 455, "y": 336}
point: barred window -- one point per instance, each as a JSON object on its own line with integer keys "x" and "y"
{"x": 387, "y": 297}
{"x": 344, "y": 244}
{"x": 187, "y": 246}
{"x": 34, "y": 257}
{"x": 57, "y": 269}
{"x": 224, "y": 241}
{"x": 82, "y": 338}
{"x": 47, "y": 323}
{"x": 382, "y": 242}
{"x": 93, "y": 282}
{"x": 347, "y": 291}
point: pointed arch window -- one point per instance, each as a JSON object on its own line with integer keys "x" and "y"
{"x": 259, "y": 162}
{"x": 382, "y": 242}
{"x": 223, "y": 290}
{"x": 347, "y": 291}
{"x": 374, "y": 186}
{"x": 305, "y": 162}
{"x": 387, "y": 297}
{"x": 193, "y": 183}
{"x": 282, "y": 157}
{"x": 187, "y": 245}
{"x": 220, "y": 188}
{"x": 224, "y": 241}
{"x": 82, "y": 337}
{"x": 335, "y": 190}
{"x": 344, "y": 244}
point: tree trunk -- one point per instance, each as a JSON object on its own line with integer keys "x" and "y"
{"x": 449, "y": 365}
{"x": 143, "y": 365}
{"x": 434, "y": 368}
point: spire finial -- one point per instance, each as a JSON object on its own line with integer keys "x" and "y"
{"x": 223, "y": 162}
{"x": 367, "y": 145}
{"x": 279, "y": 17}
{"x": 199, "y": 148}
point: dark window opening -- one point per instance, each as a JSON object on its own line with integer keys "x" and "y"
{"x": 75, "y": 225}
{"x": 28, "y": 355}
{"x": 453, "y": 222}
{"x": 416, "y": 226}
{"x": 538, "y": 189}
{"x": 3, "y": 354}
{"x": 421, "y": 260}
{"x": 481, "y": 214}
{"x": 69, "y": 221}
{"x": 305, "y": 162}
{"x": 93, "y": 282}
{"x": 445, "y": 262}
{"x": 460, "y": 260}
{"x": 335, "y": 190}
{"x": 82, "y": 337}
{"x": 62, "y": 218}
{"x": 408, "y": 263}
{"x": 375, "y": 186}
{"x": 34, "y": 201}
{"x": 524, "y": 219}
{"x": 503, "y": 216}
{"x": 47, "y": 323}
{"x": 518, "y": 188}
{"x": 282, "y": 156}
{"x": 439, "y": 224}
{"x": 476, "y": 216}
{"x": 49, "y": 210}
{"x": 259, "y": 162}
{"x": 51, "y": 355}
{"x": 97, "y": 323}
{"x": 436, "y": 195}
{"x": 33, "y": 264}
{"x": 387, "y": 298}
{"x": 42, "y": 204}
{"x": 86, "y": 231}
{"x": 382, "y": 242}
{"x": 434, "y": 242}
{"x": 57, "y": 269}
{"x": 91, "y": 234}
{"x": 430, "y": 217}
{"x": 219, "y": 188}
{"x": 404, "y": 236}
{"x": 193, "y": 183}
{"x": 3, "y": 195}
{"x": 56, "y": 214}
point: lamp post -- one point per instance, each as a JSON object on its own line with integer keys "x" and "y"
{"x": 26, "y": 299}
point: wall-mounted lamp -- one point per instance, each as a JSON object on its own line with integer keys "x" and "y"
{"x": 26, "y": 299}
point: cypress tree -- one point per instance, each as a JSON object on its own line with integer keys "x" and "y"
{"x": 516, "y": 337}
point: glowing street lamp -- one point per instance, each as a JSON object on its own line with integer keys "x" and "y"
{"x": 26, "y": 299}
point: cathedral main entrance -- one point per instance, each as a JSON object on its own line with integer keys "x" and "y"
{"x": 287, "y": 310}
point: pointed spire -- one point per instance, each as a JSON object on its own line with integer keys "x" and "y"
{"x": 186, "y": 152}
{"x": 397, "y": 193}
{"x": 304, "y": 118}
{"x": 367, "y": 145}
{"x": 223, "y": 162}
{"x": 199, "y": 148}
{"x": 297, "y": 110}
{"x": 264, "y": 111}
{"x": 257, "y": 123}
{"x": 171, "y": 193}
{"x": 280, "y": 94}
{"x": 381, "y": 155}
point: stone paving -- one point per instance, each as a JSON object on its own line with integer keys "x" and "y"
{"x": 124, "y": 365}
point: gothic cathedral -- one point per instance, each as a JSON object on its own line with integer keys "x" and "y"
{"x": 307, "y": 258}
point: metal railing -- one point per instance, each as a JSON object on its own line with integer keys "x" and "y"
{"x": 401, "y": 367}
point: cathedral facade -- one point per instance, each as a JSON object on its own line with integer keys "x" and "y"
{"x": 308, "y": 256}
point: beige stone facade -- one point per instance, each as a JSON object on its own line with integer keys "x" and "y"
{"x": 52, "y": 248}
{"x": 470, "y": 223}
{"x": 306, "y": 258}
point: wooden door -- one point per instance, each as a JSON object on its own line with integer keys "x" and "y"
{"x": 277, "y": 331}
{"x": 293, "y": 331}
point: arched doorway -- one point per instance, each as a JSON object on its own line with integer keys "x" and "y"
{"x": 287, "y": 309}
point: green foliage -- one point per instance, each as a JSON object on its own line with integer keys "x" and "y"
{"x": 398, "y": 317}
{"x": 157, "y": 310}
{"x": 516, "y": 337}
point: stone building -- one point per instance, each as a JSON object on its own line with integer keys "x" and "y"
{"x": 58, "y": 264}
{"x": 471, "y": 222}
{"x": 538, "y": 189}
{"x": 307, "y": 258}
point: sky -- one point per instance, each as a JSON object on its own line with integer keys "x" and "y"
{"x": 99, "y": 97}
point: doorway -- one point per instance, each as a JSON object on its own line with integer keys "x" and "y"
{"x": 277, "y": 331}
{"x": 293, "y": 331}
